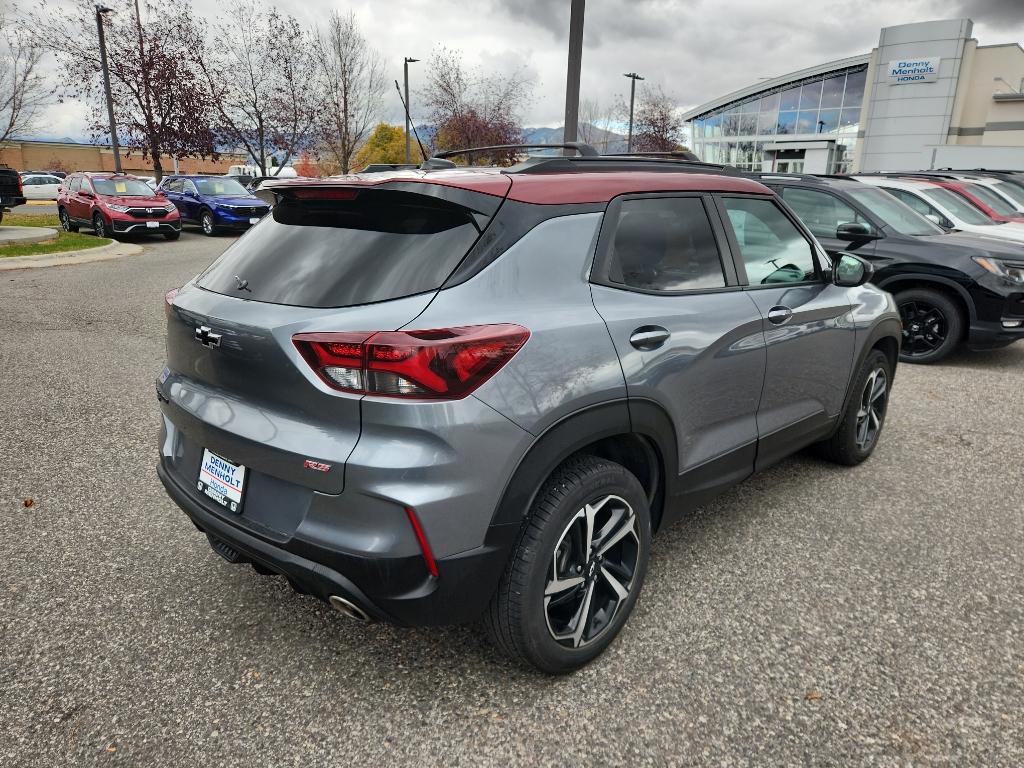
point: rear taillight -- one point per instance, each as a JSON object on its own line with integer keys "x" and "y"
{"x": 169, "y": 301}
{"x": 21, "y": 187}
{"x": 443, "y": 363}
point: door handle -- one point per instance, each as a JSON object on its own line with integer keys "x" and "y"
{"x": 779, "y": 315}
{"x": 648, "y": 337}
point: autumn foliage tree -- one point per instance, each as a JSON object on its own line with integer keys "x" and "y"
{"x": 161, "y": 106}
{"x": 469, "y": 109}
{"x": 657, "y": 126}
{"x": 385, "y": 145}
{"x": 259, "y": 74}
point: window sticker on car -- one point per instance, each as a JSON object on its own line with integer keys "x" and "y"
{"x": 121, "y": 187}
{"x": 218, "y": 188}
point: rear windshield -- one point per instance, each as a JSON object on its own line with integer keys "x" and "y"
{"x": 379, "y": 245}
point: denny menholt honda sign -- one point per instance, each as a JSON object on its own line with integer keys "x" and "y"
{"x": 914, "y": 71}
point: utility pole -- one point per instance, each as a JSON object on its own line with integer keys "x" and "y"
{"x": 101, "y": 10}
{"x": 408, "y": 151}
{"x": 572, "y": 78}
{"x": 633, "y": 76}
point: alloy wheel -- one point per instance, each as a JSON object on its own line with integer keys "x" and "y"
{"x": 873, "y": 401}
{"x": 99, "y": 226}
{"x": 925, "y": 328}
{"x": 592, "y": 570}
{"x": 65, "y": 220}
{"x": 207, "y": 223}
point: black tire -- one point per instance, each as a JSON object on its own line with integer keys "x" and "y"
{"x": 933, "y": 325}
{"x": 99, "y": 226}
{"x": 850, "y": 445}
{"x": 65, "y": 220}
{"x": 172, "y": 235}
{"x": 521, "y": 619}
{"x": 206, "y": 222}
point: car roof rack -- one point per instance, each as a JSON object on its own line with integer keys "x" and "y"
{"x": 618, "y": 163}
{"x": 442, "y": 160}
{"x": 671, "y": 154}
{"x": 784, "y": 176}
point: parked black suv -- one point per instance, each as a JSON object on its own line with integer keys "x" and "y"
{"x": 950, "y": 287}
{"x": 11, "y": 193}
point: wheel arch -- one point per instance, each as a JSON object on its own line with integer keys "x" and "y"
{"x": 605, "y": 430}
{"x": 944, "y": 285}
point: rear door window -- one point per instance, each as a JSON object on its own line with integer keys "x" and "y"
{"x": 665, "y": 244}
{"x": 342, "y": 246}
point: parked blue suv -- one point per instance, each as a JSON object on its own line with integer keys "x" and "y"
{"x": 215, "y": 203}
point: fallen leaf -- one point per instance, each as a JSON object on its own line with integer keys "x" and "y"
{"x": 812, "y": 696}
{"x": 111, "y": 748}
{"x": 28, "y": 503}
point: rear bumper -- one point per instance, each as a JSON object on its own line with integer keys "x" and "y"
{"x": 12, "y": 202}
{"x": 394, "y": 589}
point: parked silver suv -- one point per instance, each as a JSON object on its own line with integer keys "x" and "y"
{"x": 433, "y": 396}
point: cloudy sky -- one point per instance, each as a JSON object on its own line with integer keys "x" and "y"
{"x": 695, "y": 49}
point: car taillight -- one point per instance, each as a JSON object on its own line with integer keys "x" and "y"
{"x": 442, "y": 363}
{"x": 169, "y": 301}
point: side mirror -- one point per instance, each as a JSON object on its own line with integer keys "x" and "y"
{"x": 87, "y": 194}
{"x": 849, "y": 271}
{"x": 855, "y": 230}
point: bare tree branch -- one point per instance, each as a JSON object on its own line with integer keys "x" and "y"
{"x": 352, "y": 84}
{"x": 23, "y": 88}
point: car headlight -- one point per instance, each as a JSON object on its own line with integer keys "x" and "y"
{"x": 119, "y": 208}
{"x": 170, "y": 208}
{"x": 1006, "y": 270}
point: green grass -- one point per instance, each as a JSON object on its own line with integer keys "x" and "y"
{"x": 65, "y": 241}
{"x": 30, "y": 220}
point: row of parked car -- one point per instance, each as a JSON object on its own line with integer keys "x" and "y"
{"x": 117, "y": 204}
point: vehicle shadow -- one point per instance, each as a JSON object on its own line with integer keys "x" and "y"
{"x": 1004, "y": 357}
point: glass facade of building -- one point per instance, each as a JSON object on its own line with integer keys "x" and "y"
{"x": 825, "y": 106}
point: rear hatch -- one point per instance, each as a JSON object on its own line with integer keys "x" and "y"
{"x": 328, "y": 259}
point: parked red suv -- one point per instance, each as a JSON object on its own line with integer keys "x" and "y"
{"x": 982, "y": 198}
{"x": 115, "y": 204}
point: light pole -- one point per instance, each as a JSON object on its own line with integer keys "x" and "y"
{"x": 408, "y": 150}
{"x": 572, "y": 79}
{"x": 633, "y": 76}
{"x": 101, "y": 10}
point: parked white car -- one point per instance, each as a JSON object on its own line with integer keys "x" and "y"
{"x": 945, "y": 207}
{"x": 40, "y": 186}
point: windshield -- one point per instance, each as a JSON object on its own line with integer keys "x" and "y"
{"x": 991, "y": 199}
{"x": 895, "y": 214}
{"x": 122, "y": 187}
{"x": 1012, "y": 191}
{"x": 223, "y": 187}
{"x": 957, "y": 206}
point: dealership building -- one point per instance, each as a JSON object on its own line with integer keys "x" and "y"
{"x": 929, "y": 96}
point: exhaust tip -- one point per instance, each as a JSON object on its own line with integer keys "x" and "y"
{"x": 348, "y": 608}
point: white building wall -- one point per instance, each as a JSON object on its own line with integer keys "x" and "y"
{"x": 901, "y": 118}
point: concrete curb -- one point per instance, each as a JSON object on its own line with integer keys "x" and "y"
{"x": 114, "y": 250}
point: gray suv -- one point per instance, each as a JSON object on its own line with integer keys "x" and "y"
{"x": 436, "y": 396}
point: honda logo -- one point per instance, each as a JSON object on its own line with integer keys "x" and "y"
{"x": 149, "y": 210}
{"x": 206, "y": 337}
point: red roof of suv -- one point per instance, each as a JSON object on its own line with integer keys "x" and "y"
{"x": 548, "y": 188}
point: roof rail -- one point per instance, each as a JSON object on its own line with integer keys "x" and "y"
{"x": 585, "y": 150}
{"x": 673, "y": 154}
{"x": 614, "y": 163}
{"x": 783, "y": 175}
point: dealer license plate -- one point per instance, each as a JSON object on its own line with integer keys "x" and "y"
{"x": 222, "y": 481}
{"x": 152, "y": 224}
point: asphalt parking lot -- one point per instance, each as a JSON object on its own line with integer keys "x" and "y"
{"x": 812, "y": 616}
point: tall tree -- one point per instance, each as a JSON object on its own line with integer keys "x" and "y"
{"x": 469, "y": 109}
{"x": 596, "y": 121}
{"x": 160, "y": 105}
{"x": 23, "y": 88}
{"x": 352, "y": 84}
{"x": 657, "y": 126}
{"x": 258, "y": 68}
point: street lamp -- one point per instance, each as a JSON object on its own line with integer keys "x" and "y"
{"x": 101, "y": 11}
{"x": 408, "y": 150}
{"x": 632, "y": 97}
